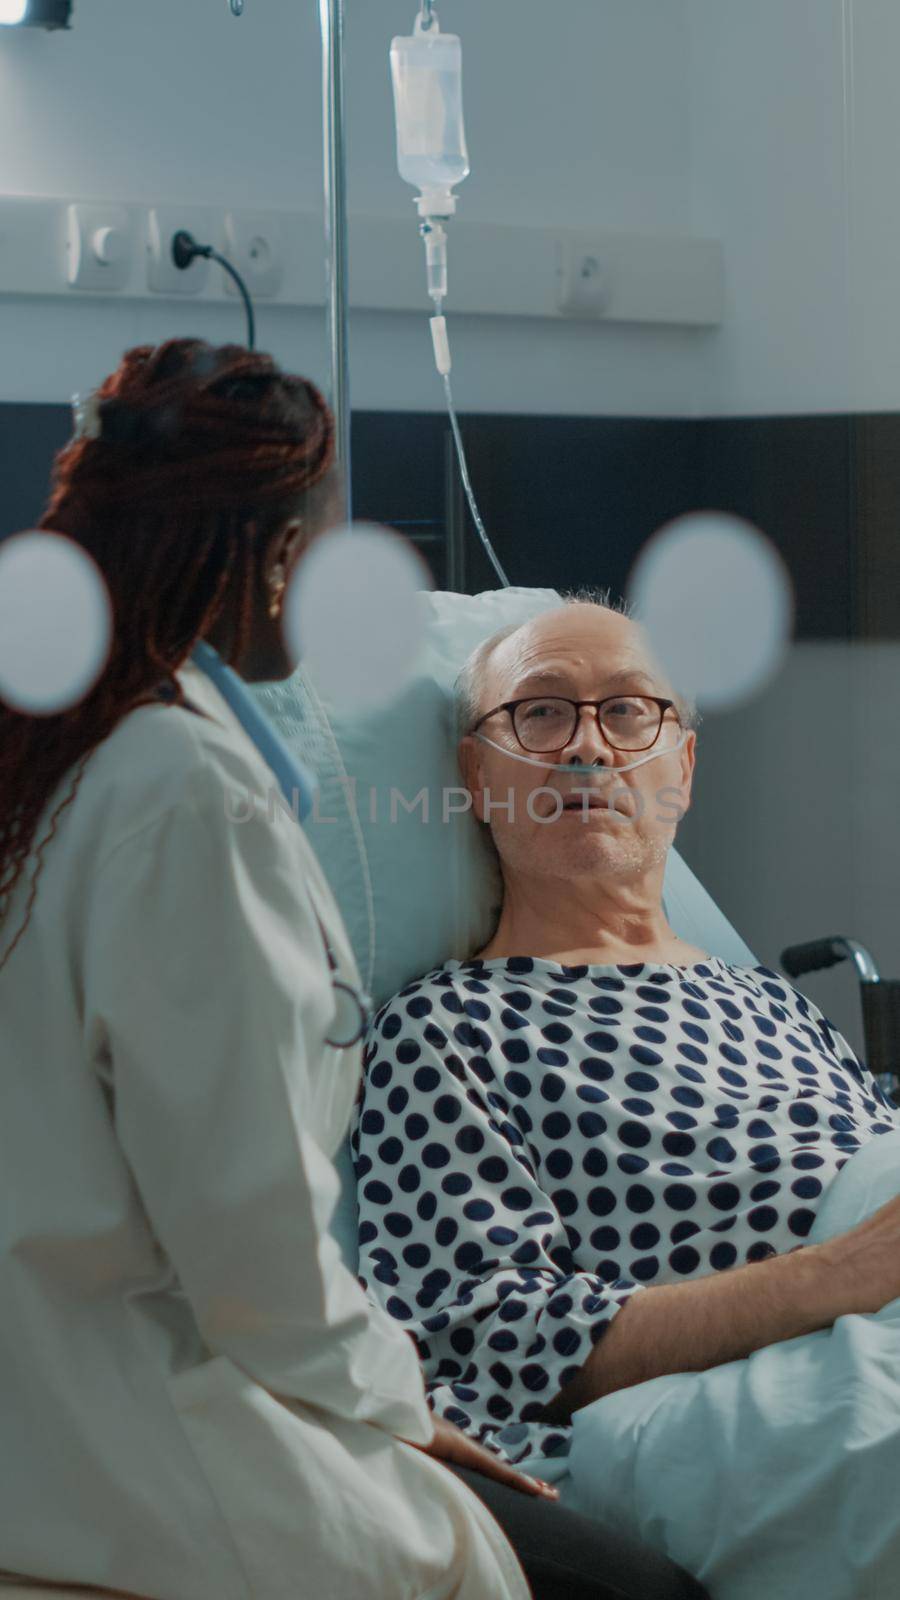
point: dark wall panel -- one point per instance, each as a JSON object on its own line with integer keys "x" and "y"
{"x": 30, "y": 436}
{"x": 793, "y": 478}
{"x": 570, "y": 500}
{"x": 573, "y": 501}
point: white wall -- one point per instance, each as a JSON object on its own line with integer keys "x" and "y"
{"x": 772, "y": 125}
{"x": 796, "y": 133}
{"x": 874, "y": 211}
{"x": 576, "y": 115}
{"x": 793, "y": 825}
{"x": 768, "y": 87}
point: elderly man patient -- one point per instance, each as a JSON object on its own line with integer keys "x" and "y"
{"x": 592, "y": 1153}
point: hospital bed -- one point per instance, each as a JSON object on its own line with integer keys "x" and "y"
{"x": 373, "y": 862}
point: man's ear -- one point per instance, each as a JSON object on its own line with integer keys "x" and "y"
{"x": 688, "y": 758}
{"x": 469, "y": 758}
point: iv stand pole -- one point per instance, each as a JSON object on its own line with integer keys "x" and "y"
{"x": 331, "y": 20}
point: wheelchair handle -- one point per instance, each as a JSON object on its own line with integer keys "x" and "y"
{"x": 820, "y": 953}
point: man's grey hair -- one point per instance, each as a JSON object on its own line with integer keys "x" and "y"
{"x": 468, "y": 688}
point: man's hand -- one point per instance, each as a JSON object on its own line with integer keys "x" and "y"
{"x": 451, "y": 1444}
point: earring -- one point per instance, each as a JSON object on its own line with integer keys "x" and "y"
{"x": 277, "y": 586}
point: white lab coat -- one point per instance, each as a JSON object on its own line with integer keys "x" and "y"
{"x": 196, "y": 1400}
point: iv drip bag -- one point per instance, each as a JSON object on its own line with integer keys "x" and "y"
{"x": 426, "y": 70}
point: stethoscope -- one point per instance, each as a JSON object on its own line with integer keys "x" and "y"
{"x": 353, "y": 1007}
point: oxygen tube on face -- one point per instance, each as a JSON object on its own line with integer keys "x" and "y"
{"x": 426, "y": 71}
{"x": 570, "y": 767}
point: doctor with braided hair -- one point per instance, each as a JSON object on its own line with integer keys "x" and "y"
{"x": 197, "y": 1400}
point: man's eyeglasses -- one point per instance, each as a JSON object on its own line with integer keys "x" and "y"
{"x": 544, "y": 726}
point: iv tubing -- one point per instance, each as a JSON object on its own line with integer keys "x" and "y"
{"x": 443, "y": 364}
{"x": 470, "y": 493}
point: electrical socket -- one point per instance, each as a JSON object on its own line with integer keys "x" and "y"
{"x": 255, "y": 245}
{"x": 584, "y": 284}
{"x": 163, "y": 277}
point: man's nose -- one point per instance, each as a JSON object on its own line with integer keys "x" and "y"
{"x": 588, "y": 743}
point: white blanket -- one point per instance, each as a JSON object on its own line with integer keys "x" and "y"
{"x": 778, "y": 1475}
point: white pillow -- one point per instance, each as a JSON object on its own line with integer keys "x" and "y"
{"x": 412, "y": 892}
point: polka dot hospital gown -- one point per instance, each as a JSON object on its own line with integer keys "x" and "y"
{"x": 537, "y": 1143}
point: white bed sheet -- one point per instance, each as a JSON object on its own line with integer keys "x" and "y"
{"x": 778, "y": 1475}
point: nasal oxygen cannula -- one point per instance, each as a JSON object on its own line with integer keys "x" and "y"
{"x": 426, "y": 70}
{"x": 580, "y": 766}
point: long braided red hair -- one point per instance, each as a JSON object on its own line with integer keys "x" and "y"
{"x": 203, "y": 452}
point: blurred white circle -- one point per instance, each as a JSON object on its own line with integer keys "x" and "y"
{"x": 55, "y": 623}
{"x": 352, "y": 614}
{"x": 716, "y": 600}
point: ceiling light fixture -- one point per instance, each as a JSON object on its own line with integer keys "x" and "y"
{"x": 35, "y": 13}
